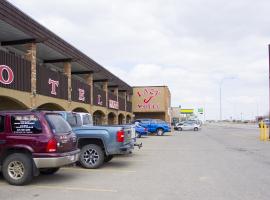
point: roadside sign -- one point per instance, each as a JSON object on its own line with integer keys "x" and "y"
{"x": 200, "y": 110}
{"x": 186, "y": 111}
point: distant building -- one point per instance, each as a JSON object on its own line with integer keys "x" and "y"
{"x": 152, "y": 102}
{"x": 175, "y": 115}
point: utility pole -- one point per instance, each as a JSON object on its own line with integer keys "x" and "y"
{"x": 220, "y": 95}
{"x": 220, "y": 108}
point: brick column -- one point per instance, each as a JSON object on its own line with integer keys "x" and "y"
{"x": 105, "y": 119}
{"x": 67, "y": 72}
{"x": 105, "y": 88}
{"x": 125, "y": 95}
{"x": 31, "y": 56}
{"x": 89, "y": 80}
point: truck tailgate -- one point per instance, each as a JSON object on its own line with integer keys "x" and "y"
{"x": 128, "y": 135}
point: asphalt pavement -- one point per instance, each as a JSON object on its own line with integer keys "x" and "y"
{"x": 217, "y": 163}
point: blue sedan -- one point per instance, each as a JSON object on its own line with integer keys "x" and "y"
{"x": 140, "y": 130}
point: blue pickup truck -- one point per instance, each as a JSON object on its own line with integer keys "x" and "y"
{"x": 156, "y": 126}
{"x": 99, "y": 144}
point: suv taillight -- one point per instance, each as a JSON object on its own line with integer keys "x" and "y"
{"x": 52, "y": 145}
{"x": 120, "y": 136}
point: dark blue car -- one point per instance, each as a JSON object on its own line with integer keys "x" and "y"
{"x": 156, "y": 126}
{"x": 140, "y": 130}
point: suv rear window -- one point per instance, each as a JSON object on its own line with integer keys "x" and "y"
{"x": 58, "y": 124}
{"x": 25, "y": 124}
{"x": 2, "y": 123}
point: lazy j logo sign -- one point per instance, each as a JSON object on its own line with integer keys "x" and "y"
{"x": 6, "y": 75}
{"x": 147, "y": 96}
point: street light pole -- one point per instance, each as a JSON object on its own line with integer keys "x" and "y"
{"x": 220, "y": 103}
{"x": 220, "y": 95}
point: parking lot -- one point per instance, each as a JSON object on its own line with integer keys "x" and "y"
{"x": 218, "y": 162}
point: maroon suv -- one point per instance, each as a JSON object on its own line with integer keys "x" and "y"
{"x": 33, "y": 142}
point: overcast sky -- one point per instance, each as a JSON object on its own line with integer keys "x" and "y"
{"x": 188, "y": 45}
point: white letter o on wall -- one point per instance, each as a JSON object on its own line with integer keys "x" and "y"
{"x": 10, "y": 74}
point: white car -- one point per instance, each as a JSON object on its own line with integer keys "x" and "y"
{"x": 188, "y": 126}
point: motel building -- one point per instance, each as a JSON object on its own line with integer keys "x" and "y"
{"x": 152, "y": 102}
{"x": 40, "y": 70}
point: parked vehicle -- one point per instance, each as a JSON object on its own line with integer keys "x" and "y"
{"x": 99, "y": 144}
{"x": 191, "y": 121}
{"x": 33, "y": 142}
{"x": 188, "y": 126}
{"x": 140, "y": 130}
{"x": 178, "y": 124}
{"x": 266, "y": 122}
{"x": 155, "y": 126}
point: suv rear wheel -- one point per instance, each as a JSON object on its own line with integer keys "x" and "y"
{"x": 48, "y": 171}
{"x": 91, "y": 156}
{"x": 18, "y": 169}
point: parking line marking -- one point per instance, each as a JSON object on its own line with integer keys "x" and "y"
{"x": 97, "y": 170}
{"x": 73, "y": 188}
{"x": 62, "y": 188}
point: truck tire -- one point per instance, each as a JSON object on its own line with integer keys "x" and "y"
{"x": 108, "y": 158}
{"x": 48, "y": 171}
{"x": 18, "y": 169}
{"x": 91, "y": 156}
{"x": 160, "y": 132}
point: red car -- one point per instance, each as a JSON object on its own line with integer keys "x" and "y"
{"x": 33, "y": 142}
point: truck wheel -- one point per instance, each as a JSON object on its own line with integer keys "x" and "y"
{"x": 18, "y": 169}
{"x": 48, "y": 171}
{"x": 108, "y": 158}
{"x": 160, "y": 132}
{"x": 91, "y": 156}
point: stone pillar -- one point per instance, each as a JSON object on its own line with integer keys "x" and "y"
{"x": 125, "y": 95}
{"x": 89, "y": 80}
{"x": 31, "y": 56}
{"x": 105, "y": 119}
{"x": 105, "y": 88}
{"x": 67, "y": 72}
